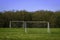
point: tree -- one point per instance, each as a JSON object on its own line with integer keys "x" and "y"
{"x": 57, "y": 13}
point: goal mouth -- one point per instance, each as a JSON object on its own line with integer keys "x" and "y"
{"x": 29, "y": 24}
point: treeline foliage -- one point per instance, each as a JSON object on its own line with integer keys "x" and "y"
{"x": 52, "y": 17}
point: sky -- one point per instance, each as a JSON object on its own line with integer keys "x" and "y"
{"x": 29, "y": 5}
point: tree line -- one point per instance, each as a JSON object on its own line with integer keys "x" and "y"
{"x": 42, "y": 15}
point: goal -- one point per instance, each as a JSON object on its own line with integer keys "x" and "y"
{"x": 29, "y": 24}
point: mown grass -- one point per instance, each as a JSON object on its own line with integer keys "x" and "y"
{"x": 32, "y": 34}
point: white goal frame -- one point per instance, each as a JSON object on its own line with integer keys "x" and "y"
{"x": 25, "y": 27}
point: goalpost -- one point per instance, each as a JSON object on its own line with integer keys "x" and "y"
{"x": 24, "y": 24}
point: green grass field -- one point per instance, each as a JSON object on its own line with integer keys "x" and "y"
{"x": 32, "y": 34}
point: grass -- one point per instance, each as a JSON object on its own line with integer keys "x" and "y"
{"x": 32, "y": 34}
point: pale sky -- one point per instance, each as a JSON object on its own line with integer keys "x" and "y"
{"x": 30, "y": 5}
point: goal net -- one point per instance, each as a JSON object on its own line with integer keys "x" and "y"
{"x": 31, "y": 26}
